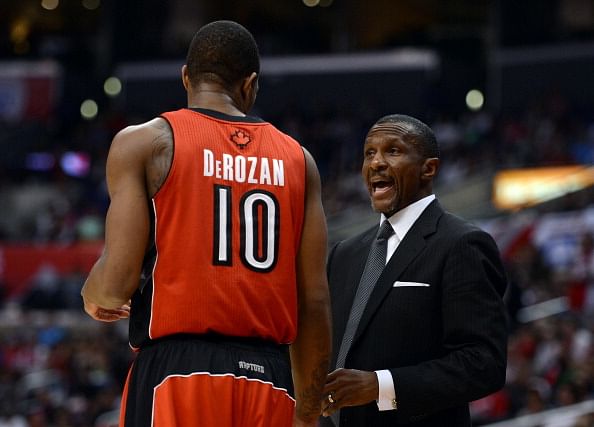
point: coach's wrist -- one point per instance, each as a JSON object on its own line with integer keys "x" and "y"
{"x": 386, "y": 399}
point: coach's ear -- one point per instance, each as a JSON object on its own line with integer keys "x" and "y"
{"x": 185, "y": 77}
{"x": 429, "y": 169}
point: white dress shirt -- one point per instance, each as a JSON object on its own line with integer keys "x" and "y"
{"x": 401, "y": 222}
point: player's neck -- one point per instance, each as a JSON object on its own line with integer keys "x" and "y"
{"x": 214, "y": 98}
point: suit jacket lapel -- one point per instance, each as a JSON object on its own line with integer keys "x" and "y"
{"x": 412, "y": 244}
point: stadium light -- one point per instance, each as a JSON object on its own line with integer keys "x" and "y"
{"x": 89, "y": 109}
{"x": 475, "y": 100}
{"x": 91, "y": 4}
{"x": 50, "y": 4}
{"x": 112, "y": 86}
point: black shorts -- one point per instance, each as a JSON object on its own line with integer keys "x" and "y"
{"x": 209, "y": 381}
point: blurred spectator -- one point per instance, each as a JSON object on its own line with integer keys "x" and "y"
{"x": 581, "y": 280}
{"x": 61, "y": 376}
{"x": 45, "y": 290}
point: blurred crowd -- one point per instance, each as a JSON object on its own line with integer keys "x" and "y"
{"x": 70, "y": 373}
{"x": 551, "y": 345}
{"x": 51, "y": 199}
{"x": 60, "y": 372}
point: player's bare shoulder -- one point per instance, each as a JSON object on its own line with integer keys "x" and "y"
{"x": 161, "y": 156}
{"x": 148, "y": 147}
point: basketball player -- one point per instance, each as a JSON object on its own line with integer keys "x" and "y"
{"x": 217, "y": 234}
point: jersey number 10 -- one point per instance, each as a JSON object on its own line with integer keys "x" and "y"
{"x": 258, "y": 228}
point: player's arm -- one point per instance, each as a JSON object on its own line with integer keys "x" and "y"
{"x": 115, "y": 276}
{"x": 310, "y": 353}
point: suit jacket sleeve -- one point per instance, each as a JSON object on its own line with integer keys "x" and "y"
{"x": 474, "y": 346}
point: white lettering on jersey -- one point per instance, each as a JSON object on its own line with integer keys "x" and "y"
{"x": 254, "y": 170}
{"x": 253, "y": 161}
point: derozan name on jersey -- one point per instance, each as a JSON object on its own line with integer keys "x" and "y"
{"x": 253, "y": 170}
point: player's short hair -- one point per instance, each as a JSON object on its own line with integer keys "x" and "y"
{"x": 223, "y": 52}
{"x": 422, "y": 136}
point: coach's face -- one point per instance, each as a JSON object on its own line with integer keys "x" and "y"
{"x": 393, "y": 169}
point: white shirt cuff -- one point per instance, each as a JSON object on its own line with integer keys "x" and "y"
{"x": 386, "y": 400}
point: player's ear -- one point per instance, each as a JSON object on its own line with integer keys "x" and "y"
{"x": 249, "y": 84}
{"x": 249, "y": 90}
{"x": 185, "y": 77}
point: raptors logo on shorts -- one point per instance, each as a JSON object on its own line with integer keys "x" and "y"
{"x": 210, "y": 381}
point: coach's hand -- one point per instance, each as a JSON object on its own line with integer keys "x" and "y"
{"x": 106, "y": 314}
{"x": 349, "y": 387}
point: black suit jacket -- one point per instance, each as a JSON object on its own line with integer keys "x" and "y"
{"x": 445, "y": 344}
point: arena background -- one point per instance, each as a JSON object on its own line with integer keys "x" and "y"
{"x": 507, "y": 86}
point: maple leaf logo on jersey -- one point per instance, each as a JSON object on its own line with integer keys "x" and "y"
{"x": 241, "y": 138}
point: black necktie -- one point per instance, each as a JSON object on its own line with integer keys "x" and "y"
{"x": 376, "y": 261}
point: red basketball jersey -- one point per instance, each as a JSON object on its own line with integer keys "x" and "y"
{"x": 227, "y": 228}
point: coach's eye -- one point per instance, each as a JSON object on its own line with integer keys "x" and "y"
{"x": 369, "y": 153}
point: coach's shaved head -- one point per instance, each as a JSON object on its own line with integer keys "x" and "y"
{"x": 222, "y": 52}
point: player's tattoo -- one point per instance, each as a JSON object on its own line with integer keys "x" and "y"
{"x": 310, "y": 397}
{"x": 161, "y": 156}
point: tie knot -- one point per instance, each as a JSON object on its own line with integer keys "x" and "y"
{"x": 385, "y": 231}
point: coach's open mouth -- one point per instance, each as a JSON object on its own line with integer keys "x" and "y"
{"x": 381, "y": 186}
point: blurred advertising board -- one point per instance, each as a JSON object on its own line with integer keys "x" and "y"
{"x": 21, "y": 264}
{"x": 28, "y": 90}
